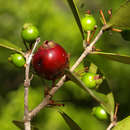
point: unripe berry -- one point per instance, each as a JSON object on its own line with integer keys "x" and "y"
{"x": 88, "y": 22}
{"x": 100, "y": 113}
{"x": 89, "y": 80}
{"x": 50, "y": 60}
{"x": 29, "y": 32}
{"x": 17, "y": 59}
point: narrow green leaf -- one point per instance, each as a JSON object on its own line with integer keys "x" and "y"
{"x": 11, "y": 46}
{"x": 100, "y": 97}
{"x": 111, "y": 101}
{"x": 116, "y": 57}
{"x": 123, "y": 125}
{"x": 72, "y": 124}
{"x": 121, "y": 18}
{"x": 76, "y": 15}
{"x": 111, "y": 104}
{"x": 20, "y": 124}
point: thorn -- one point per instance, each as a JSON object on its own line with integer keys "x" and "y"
{"x": 103, "y": 17}
{"x": 93, "y": 32}
{"x": 95, "y": 49}
{"x": 116, "y": 30}
{"x": 88, "y": 37}
{"x": 88, "y": 12}
{"x": 110, "y": 12}
{"x": 98, "y": 49}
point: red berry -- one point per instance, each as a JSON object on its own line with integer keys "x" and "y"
{"x": 50, "y": 60}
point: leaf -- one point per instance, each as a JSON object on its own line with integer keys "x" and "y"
{"x": 116, "y": 57}
{"x": 76, "y": 15}
{"x": 121, "y": 18}
{"x": 9, "y": 45}
{"x": 101, "y": 98}
{"x": 72, "y": 124}
{"x": 111, "y": 104}
{"x": 123, "y": 125}
{"x": 20, "y": 124}
{"x": 93, "y": 68}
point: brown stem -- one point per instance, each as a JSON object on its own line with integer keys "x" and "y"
{"x": 62, "y": 80}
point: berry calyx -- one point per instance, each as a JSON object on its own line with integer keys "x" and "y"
{"x": 89, "y": 79}
{"x": 50, "y": 60}
{"x": 100, "y": 113}
{"x": 17, "y": 59}
{"x": 88, "y": 22}
{"x": 29, "y": 32}
{"x": 126, "y": 35}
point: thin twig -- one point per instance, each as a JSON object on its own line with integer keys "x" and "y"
{"x": 114, "y": 121}
{"x": 112, "y": 124}
{"x": 28, "y": 57}
{"x": 62, "y": 80}
{"x": 35, "y": 45}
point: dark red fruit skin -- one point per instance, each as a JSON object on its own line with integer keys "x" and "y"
{"x": 50, "y": 60}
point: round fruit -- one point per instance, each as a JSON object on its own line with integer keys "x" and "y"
{"x": 88, "y": 22}
{"x": 17, "y": 59}
{"x": 88, "y": 79}
{"x": 126, "y": 35}
{"x": 50, "y": 60}
{"x": 29, "y": 32}
{"x": 100, "y": 113}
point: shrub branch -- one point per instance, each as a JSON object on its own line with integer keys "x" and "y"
{"x": 27, "y": 81}
{"x": 45, "y": 101}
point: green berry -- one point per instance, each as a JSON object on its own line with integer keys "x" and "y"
{"x": 126, "y": 35}
{"x": 17, "y": 59}
{"x": 88, "y": 79}
{"x": 100, "y": 113}
{"x": 88, "y": 22}
{"x": 29, "y": 32}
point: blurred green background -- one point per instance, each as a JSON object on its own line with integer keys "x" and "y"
{"x": 55, "y": 21}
